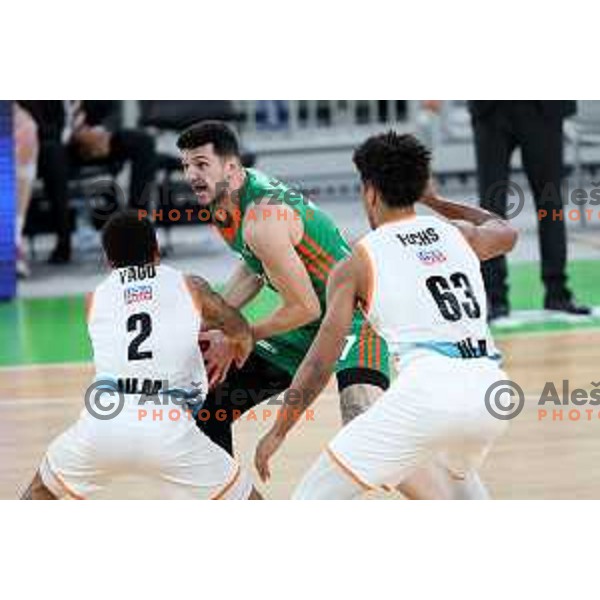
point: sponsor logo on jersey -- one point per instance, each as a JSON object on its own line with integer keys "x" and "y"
{"x": 431, "y": 257}
{"x": 267, "y": 346}
{"x": 137, "y": 293}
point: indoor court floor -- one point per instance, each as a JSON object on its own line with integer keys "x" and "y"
{"x": 536, "y": 459}
{"x": 45, "y": 369}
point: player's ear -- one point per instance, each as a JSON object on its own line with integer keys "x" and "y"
{"x": 228, "y": 163}
{"x": 369, "y": 195}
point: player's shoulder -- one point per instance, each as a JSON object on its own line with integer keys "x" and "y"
{"x": 168, "y": 271}
{"x": 264, "y": 189}
{"x": 416, "y": 231}
{"x": 261, "y": 186}
{"x": 195, "y": 281}
{"x": 111, "y": 278}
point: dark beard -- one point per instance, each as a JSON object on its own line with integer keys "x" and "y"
{"x": 225, "y": 223}
{"x": 217, "y": 211}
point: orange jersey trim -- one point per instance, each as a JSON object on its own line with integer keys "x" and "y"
{"x": 316, "y": 263}
{"x": 233, "y": 479}
{"x": 370, "y": 267}
{"x": 318, "y": 249}
{"x": 348, "y": 471}
{"x": 69, "y": 491}
{"x": 90, "y": 303}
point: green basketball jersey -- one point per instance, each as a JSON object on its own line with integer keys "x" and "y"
{"x": 322, "y": 244}
{"x": 320, "y": 248}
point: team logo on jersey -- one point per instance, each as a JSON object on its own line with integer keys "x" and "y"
{"x": 267, "y": 346}
{"x": 138, "y": 293}
{"x": 431, "y": 257}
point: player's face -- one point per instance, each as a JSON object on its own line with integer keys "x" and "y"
{"x": 206, "y": 172}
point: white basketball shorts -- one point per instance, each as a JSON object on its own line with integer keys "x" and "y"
{"x": 85, "y": 458}
{"x": 435, "y": 407}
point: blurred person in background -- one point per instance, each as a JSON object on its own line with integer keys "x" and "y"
{"x": 26, "y": 157}
{"x": 74, "y": 133}
{"x": 98, "y": 138}
{"x": 536, "y": 128}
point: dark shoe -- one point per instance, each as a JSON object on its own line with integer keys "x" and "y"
{"x": 497, "y": 311}
{"x": 61, "y": 254}
{"x": 566, "y": 305}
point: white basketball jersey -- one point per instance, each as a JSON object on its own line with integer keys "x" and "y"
{"x": 144, "y": 327}
{"x": 427, "y": 293}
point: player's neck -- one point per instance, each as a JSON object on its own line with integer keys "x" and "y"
{"x": 230, "y": 202}
{"x": 393, "y": 215}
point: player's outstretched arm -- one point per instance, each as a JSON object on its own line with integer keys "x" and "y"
{"x": 316, "y": 368}
{"x": 488, "y": 234}
{"x": 217, "y": 314}
{"x": 242, "y": 287}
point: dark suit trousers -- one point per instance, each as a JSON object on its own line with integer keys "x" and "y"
{"x": 497, "y": 134}
{"x": 53, "y": 164}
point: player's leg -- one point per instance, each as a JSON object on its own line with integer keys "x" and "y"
{"x": 37, "y": 490}
{"x": 376, "y": 450}
{"x": 257, "y": 381}
{"x": 469, "y": 487}
{"x": 79, "y": 462}
{"x": 422, "y": 421}
{"x": 363, "y": 374}
{"x": 362, "y": 370}
{"x": 327, "y": 481}
{"x": 473, "y": 440}
{"x": 430, "y": 481}
{"x": 192, "y": 467}
{"x": 67, "y": 471}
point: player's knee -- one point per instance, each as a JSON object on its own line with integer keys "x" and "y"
{"x": 356, "y": 399}
{"x": 324, "y": 481}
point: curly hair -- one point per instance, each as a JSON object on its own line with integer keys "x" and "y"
{"x": 129, "y": 240}
{"x": 397, "y": 166}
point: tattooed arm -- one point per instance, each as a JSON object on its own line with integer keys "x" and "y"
{"x": 343, "y": 292}
{"x": 217, "y": 314}
{"x": 488, "y": 234}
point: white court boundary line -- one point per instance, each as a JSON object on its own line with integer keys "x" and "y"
{"x": 52, "y": 366}
{"x": 503, "y": 335}
{"x": 39, "y": 399}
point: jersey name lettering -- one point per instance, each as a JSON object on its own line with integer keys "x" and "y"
{"x": 425, "y": 237}
{"x": 140, "y": 273}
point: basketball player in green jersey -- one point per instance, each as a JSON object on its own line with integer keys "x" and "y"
{"x": 287, "y": 243}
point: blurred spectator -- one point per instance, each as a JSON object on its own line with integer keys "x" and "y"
{"x": 26, "y": 157}
{"x": 536, "y": 127}
{"x": 272, "y": 114}
{"x": 75, "y": 133}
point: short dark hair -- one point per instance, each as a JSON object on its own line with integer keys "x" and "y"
{"x": 129, "y": 240}
{"x": 217, "y": 133}
{"x": 398, "y": 166}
